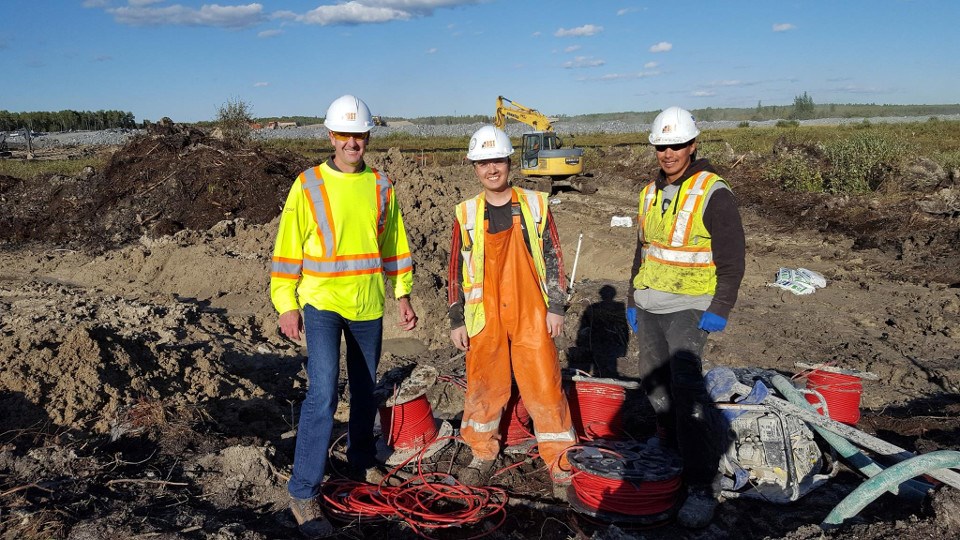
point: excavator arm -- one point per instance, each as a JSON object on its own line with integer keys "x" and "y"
{"x": 510, "y": 109}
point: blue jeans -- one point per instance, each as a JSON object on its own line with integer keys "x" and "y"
{"x": 364, "y": 340}
{"x": 671, "y": 347}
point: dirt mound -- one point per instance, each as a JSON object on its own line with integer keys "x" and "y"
{"x": 910, "y": 215}
{"x": 158, "y": 183}
{"x": 148, "y": 392}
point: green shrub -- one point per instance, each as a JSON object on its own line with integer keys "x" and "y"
{"x": 858, "y": 164}
{"x": 234, "y": 118}
{"x": 743, "y": 125}
{"x": 788, "y": 123}
{"x": 795, "y": 171}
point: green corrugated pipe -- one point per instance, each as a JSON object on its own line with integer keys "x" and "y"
{"x": 911, "y": 489}
{"x": 859, "y": 498}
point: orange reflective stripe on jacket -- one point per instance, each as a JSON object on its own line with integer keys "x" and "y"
{"x": 338, "y": 233}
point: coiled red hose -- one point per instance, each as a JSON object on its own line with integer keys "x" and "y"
{"x": 626, "y": 497}
{"x": 595, "y": 409}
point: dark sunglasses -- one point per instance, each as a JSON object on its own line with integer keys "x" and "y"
{"x": 675, "y": 147}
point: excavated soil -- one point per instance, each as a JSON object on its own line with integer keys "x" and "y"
{"x": 147, "y": 393}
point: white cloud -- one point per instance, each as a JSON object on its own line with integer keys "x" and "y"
{"x": 663, "y": 46}
{"x": 96, "y": 3}
{"x": 141, "y": 3}
{"x": 651, "y": 65}
{"x": 728, "y": 83}
{"x": 703, "y": 93}
{"x": 536, "y": 34}
{"x": 207, "y": 15}
{"x": 269, "y": 33}
{"x": 260, "y": 84}
{"x": 431, "y": 50}
{"x": 377, "y": 11}
{"x": 572, "y": 48}
{"x": 624, "y": 11}
{"x": 353, "y": 13}
{"x": 421, "y": 7}
{"x": 584, "y": 62}
{"x": 783, "y": 27}
{"x": 580, "y": 31}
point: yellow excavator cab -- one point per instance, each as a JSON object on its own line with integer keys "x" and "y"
{"x": 543, "y": 159}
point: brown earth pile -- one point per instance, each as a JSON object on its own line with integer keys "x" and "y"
{"x": 146, "y": 390}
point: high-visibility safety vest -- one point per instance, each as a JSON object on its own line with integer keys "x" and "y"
{"x": 533, "y": 207}
{"x": 339, "y": 234}
{"x": 677, "y": 253}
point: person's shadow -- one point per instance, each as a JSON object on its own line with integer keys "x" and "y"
{"x": 602, "y": 337}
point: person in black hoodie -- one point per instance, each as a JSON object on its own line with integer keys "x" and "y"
{"x": 687, "y": 270}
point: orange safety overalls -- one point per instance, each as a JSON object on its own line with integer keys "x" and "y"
{"x": 514, "y": 340}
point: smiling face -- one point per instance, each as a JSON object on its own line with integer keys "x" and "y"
{"x": 675, "y": 158}
{"x": 348, "y": 150}
{"x": 494, "y": 174}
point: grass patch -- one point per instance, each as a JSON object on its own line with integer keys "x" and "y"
{"x": 26, "y": 169}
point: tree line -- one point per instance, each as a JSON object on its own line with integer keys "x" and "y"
{"x": 66, "y": 120}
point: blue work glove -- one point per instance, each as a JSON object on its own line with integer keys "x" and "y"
{"x": 711, "y": 322}
{"x": 632, "y": 319}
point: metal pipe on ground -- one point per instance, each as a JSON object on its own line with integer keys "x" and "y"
{"x": 911, "y": 489}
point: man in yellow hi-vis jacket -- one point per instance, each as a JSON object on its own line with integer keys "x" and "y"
{"x": 506, "y": 304}
{"x": 687, "y": 269}
{"x": 340, "y": 232}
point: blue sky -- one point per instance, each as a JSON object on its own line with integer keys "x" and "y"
{"x": 411, "y": 58}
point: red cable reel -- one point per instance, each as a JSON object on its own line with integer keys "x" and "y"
{"x": 625, "y": 481}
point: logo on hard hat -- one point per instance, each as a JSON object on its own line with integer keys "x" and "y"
{"x": 473, "y": 143}
{"x": 668, "y": 128}
{"x": 489, "y": 144}
{"x": 350, "y": 116}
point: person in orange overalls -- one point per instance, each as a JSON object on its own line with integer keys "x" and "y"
{"x": 507, "y": 301}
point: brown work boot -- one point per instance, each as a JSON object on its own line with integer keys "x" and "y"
{"x": 372, "y": 474}
{"x": 310, "y": 519}
{"x": 477, "y": 473}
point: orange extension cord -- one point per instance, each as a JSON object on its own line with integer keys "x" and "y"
{"x": 627, "y": 497}
{"x": 595, "y": 408}
{"x": 427, "y": 501}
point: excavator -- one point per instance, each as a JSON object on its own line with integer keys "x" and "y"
{"x": 543, "y": 160}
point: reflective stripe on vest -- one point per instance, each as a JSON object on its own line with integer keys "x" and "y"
{"x": 383, "y": 191}
{"x": 691, "y": 202}
{"x": 677, "y": 250}
{"x": 470, "y": 216}
{"x": 330, "y": 264}
{"x": 395, "y": 265}
{"x": 286, "y": 268}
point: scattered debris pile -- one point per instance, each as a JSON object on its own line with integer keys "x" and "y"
{"x": 169, "y": 179}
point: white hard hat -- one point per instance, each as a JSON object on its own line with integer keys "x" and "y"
{"x": 348, "y": 114}
{"x": 489, "y": 142}
{"x": 673, "y": 126}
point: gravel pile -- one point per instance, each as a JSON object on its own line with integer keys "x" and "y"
{"x": 121, "y": 136}
{"x": 106, "y": 137}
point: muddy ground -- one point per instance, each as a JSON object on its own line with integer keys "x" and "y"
{"x": 146, "y": 392}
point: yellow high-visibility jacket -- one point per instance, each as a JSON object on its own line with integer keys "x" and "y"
{"x": 339, "y": 234}
{"x": 677, "y": 250}
{"x": 533, "y": 212}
